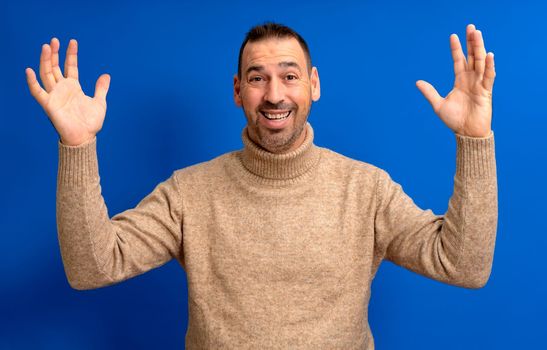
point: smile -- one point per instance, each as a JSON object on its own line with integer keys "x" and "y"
{"x": 276, "y": 116}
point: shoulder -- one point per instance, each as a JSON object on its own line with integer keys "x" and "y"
{"x": 355, "y": 178}
{"x": 341, "y": 165}
{"x": 358, "y": 175}
{"x": 204, "y": 172}
{"x": 204, "y": 180}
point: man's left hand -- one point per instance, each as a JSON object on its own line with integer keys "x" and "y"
{"x": 467, "y": 109}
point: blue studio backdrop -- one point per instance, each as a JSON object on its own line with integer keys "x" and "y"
{"x": 170, "y": 105}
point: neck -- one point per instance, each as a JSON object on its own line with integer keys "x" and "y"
{"x": 287, "y": 165}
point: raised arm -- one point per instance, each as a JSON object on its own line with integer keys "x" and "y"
{"x": 456, "y": 247}
{"x": 98, "y": 251}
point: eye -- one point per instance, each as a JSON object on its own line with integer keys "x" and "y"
{"x": 256, "y": 79}
{"x": 291, "y": 77}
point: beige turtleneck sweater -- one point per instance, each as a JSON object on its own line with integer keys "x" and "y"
{"x": 279, "y": 250}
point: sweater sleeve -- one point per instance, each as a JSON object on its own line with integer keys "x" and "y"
{"x": 457, "y": 247}
{"x": 98, "y": 251}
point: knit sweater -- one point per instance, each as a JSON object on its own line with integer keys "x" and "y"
{"x": 279, "y": 249}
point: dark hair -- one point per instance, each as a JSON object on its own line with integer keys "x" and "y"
{"x": 272, "y": 30}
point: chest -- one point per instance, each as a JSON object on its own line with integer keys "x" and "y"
{"x": 319, "y": 236}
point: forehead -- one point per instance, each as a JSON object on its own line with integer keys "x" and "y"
{"x": 273, "y": 51}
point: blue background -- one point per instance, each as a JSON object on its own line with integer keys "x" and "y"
{"x": 170, "y": 106}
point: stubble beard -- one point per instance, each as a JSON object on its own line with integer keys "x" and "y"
{"x": 278, "y": 141}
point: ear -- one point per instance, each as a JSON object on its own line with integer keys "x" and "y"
{"x": 315, "y": 85}
{"x": 237, "y": 91}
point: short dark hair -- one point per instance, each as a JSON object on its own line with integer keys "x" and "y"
{"x": 270, "y": 30}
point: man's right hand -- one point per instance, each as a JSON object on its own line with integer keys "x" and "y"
{"x": 76, "y": 117}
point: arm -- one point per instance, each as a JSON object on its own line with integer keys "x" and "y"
{"x": 98, "y": 251}
{"x": 456, "y": 248}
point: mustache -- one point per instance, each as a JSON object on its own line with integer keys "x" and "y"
{"x": 273, "y": 106}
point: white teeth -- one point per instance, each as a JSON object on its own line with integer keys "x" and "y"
{"x": 276, "y": 116}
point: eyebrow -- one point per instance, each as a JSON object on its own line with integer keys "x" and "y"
{"x": 282, "y": 64}
{"x": 287, "y": 64}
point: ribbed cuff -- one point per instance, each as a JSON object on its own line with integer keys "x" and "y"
{"x": 78, "y": 164}
{"x": 475, "y": 157}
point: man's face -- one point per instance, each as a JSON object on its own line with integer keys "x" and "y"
{"x": 276, "y": 92}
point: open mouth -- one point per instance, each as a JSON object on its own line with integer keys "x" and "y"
{"x": 276, "y": 116}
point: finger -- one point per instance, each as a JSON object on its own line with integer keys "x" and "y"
{"x": 469, "y": 45}
{"x": 101, "y": 87}
{"x": 71, "y": 60}
{"x": 457, "y": 54}
{"x": 55, "y": 59}
{"x": 489, "y": 73}
{"x": 479, "y": 53}
{"x": 430, "y": 94}
{"x": 46, "y": 74}
{"x": 35, "y": 89}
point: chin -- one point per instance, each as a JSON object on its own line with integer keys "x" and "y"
{"x": 279, "y": 141}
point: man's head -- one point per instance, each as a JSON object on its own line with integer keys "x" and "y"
{"x": 275, "y": 85}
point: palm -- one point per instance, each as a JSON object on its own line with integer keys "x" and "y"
{"x": 467, "y": 109}
{"x": 76, "y": 117}
{"x": 74, "y": 114}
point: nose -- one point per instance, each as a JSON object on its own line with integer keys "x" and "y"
{"x": 275, "y": 91}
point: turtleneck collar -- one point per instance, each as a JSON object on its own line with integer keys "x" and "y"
{"x": 279, "y": 166}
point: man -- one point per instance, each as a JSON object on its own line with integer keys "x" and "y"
{"x": 280, "y": 241}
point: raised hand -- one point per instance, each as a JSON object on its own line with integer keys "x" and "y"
{"x": 76, "y": 117}
{"x": 467, "y": 109}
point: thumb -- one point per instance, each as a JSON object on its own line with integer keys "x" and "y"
{"x": 101, "y": 87}
{"x": 430, "y": 94}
